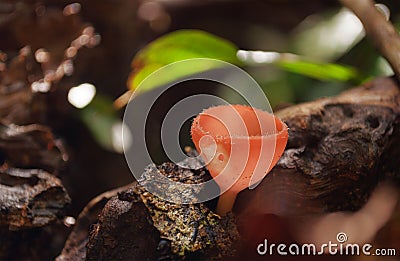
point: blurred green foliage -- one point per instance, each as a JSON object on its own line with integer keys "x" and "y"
{"x": 321, "y": 71}
{"x": 187, "y": 44}
{"x": 326, "y": 54}
{"x": 178, "y": 46}
{"x": 313, "y": 39}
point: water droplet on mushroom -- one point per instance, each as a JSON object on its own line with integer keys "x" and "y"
{"x": 221, "y": 157}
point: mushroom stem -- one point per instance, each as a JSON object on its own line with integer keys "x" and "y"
{"x": 226, "y": 202}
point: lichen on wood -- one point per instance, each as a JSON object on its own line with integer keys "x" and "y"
{"x": 180, "y": 229}
{"x": 189, "y": 227}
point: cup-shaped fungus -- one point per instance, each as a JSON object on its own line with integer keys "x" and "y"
{"x": 240, "y": 145}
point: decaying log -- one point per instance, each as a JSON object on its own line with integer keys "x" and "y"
{"x": 164, "y": 230}
{"x": 339, "y": 149}
{"x": 30, "y": 146}
{"x": 29, "y": 195}
{"x": 138, "y": 225}
{"x": 31, "y": 203}
{"x": 33, "y": 65}
{"x": 75, "y": 246}
{"x": 109, "y": 238}
{"x": 30, "y": 198}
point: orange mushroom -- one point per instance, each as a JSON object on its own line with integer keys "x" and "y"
{"x": 240, "y": 145}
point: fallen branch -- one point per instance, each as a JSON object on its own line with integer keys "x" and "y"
{"x": 30, "y": 198}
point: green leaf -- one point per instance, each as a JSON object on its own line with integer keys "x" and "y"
{"x": 178, "y": 46}
{"x": 321, "y": 71}
{"x": 173, "y": 72}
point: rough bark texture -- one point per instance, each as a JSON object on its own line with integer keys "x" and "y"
{"x": 119, "y": 220}
{"x": 339, "y": 149}
{"x": 33, "y": 200}
{"x": 30, "y": 198}
{"x": 143, "y": 226}
{"x": 75, "y": 246}
{"x": 30, "y": 146}
{"x": 140, "y": 226}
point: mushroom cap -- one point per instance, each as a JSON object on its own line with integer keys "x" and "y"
{"x": 239, "y": 144}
